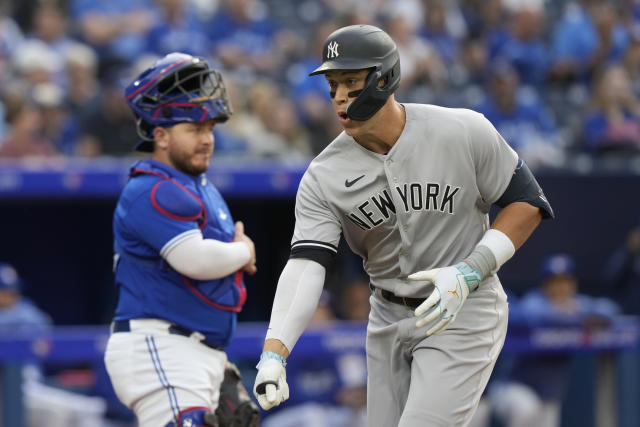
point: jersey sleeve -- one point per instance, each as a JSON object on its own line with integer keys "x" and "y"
{"x": 494, "y": 160}
{"x": 317, "y": 230}
{"x": 162, "y": 217}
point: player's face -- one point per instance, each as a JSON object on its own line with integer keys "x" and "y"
{"x": 190, "y": 146}
{"x": 8, "y": 298}
{"x": 343, "y": 82}
{"x": 561, "y": 288}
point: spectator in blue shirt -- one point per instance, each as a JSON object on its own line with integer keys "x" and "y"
{"x": 50, "y": 27}
{"x": 310, "y": 96}
{"x": 436, "y": 30}
{"x": 470, "y": 72}
{"x": 521, "y": 118}
{"x": 424, "y": 72}
{"x": 117, "y": 29}
{"x": 18, "y": 313}
{"x": 44, "y": 404}
{"x": 611, "y": 124}
{"x": 177, "y": 29}
{"x": 535, "y": 387}
{"x": 587, "y": 36}
{"x": 50, "y": 24}
{"x": 524, "y": 46}
{"x": 244, "y": 40}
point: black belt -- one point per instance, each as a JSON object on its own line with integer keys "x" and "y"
{"x": 391, "y": 297}
{"x": 125, "y": 326}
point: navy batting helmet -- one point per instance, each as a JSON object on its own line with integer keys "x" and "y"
{"x": 177, "y": 88}
{"x": 358, "y": 47}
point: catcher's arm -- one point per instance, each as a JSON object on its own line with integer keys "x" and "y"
{"x": 207, "y": 259}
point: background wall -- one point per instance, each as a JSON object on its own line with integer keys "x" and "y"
{"x": 62, "y": 246}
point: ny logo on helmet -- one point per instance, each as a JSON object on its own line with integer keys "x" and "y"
{"x": 332, "y": 50}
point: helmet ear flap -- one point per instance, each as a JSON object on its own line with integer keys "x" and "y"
{"x": 372, "y": 79}
{"x": 369, "y": 100}
{"x": 372, "y": 97}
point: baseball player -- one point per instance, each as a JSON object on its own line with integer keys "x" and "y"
{"x": 179, "y": 259}
{"x": 409, "y": 186}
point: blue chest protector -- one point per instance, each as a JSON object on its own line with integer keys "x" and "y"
{"x": 159, "y": 207}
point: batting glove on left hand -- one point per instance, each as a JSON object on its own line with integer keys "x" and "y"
{"x": 271, "y": 388}
{"x": 452, "y": 286}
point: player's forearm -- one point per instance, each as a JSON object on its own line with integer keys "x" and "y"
{"x": 296, "y": 299}
{"x": 207, "y": 259}
{"x": 518, "y": 220}
{"x": 276, "y": 346}
{"x": 509, "y": 231}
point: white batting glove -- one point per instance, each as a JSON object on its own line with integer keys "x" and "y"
{"x": 452, "y": 286}
{"x": 271, "y": 388}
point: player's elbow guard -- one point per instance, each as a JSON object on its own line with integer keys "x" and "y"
{"x": 523, "y": 187}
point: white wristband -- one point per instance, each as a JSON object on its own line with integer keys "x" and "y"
{"x": 499, "y": 244}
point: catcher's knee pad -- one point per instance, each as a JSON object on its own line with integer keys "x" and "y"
{"x": 195, "y": 417}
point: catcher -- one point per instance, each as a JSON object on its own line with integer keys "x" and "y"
{"x": 179, "y": 259}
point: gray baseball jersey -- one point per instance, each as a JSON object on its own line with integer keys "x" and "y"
{"x": 422, "y": 205}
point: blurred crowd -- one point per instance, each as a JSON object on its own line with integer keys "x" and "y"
{"x": 559, "y": 79}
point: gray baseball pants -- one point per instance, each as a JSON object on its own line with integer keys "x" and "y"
{"x": 436, "y": 381}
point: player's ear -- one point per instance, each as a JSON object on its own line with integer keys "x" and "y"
{"x": 160, "y": 136}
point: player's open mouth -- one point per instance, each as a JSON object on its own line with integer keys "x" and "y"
{"x": 342, "y": 116}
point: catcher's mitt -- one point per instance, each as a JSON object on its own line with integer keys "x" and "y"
{"x": 235, "y": 407}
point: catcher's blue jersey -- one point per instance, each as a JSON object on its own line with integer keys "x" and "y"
{"x": 159, "y": 207}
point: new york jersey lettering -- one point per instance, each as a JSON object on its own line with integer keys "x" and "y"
{"x": 415, "y": 197}
{"x": 431, "y": 196}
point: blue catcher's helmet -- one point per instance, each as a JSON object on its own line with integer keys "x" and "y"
{"x": 177, "y": 88}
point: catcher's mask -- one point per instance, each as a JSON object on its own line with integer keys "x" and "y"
{"x": 177, "y": 88}
{"x": 358, "y": 47}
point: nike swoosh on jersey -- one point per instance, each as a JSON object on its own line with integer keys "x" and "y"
{"x": 348, "y": 183}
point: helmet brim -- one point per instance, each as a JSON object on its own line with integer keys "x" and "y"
{"x": 144, "y": 146}
{"x": 344, "y": 64}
